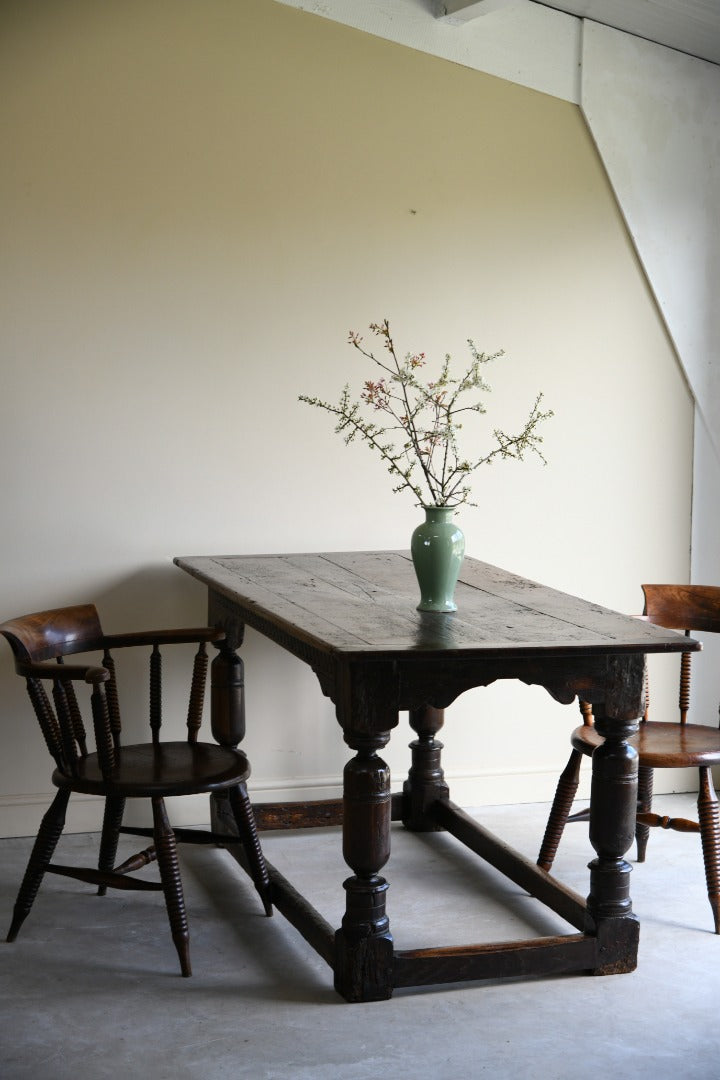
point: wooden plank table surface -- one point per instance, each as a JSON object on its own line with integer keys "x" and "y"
{"x": 351, "y": 616}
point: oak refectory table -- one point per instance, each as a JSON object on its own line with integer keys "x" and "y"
{"x": 352, "y": 617}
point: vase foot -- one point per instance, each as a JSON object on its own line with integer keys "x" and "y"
{"x": 438, "y": 608}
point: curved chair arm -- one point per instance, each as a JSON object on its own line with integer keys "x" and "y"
{"x": 64, "y": 672}
{"x": 190, "y": 636}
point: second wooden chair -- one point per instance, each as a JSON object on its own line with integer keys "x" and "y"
{"x": 659, "y": 745}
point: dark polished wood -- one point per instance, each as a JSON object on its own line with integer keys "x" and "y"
{"x": 153, "y": 770}
{"x": 659, "y": 745}
{"x": 352, "y": 618}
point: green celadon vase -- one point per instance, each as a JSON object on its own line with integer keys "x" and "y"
{"x": 438, "y": 548}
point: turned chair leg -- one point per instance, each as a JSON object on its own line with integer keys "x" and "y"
{"x": 710, "y": 835}
{"x": 645, "y": 797}
{"x": 564, "y": 796}
{"x": 247, "y": 830}
{"x": 42, "y": 852}
{"x": 166, "y": 850}
{"x": 112, "y": 820}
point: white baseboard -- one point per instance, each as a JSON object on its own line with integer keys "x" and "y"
{"x": 20, "y": 815}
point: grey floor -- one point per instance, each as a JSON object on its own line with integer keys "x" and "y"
{"x": 90, "y": 989}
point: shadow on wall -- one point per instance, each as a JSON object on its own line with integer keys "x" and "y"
{"x": 286, "y": 708}
{"x": 156, "y": 595}
{"x": 284, "y": 699}
{"x": 153, "y": 597}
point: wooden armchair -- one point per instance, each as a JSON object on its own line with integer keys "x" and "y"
{"x": 659, "y": 745}
{"x": 152, "y": 770}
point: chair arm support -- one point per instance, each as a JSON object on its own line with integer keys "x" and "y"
{"x": 190, "y": 636}
{"x": 64, "y": 672}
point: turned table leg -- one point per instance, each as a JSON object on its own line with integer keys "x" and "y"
{"x": 227, "y": 696}
{"x": 613, "y": 806}
{"x": 426, "y": 781}
{"x": 363, "y": 944}
{"x": 227, "y": 710}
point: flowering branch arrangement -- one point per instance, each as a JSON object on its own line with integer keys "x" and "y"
{"x": 416, "y": 433}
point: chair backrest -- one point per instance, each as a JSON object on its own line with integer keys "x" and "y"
{"x": 49, "y": 634}
{"x": 41, "y": 641}
{"x": 684, "y": 607}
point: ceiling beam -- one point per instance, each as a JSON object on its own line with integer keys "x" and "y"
{"x": 465, "y": 10}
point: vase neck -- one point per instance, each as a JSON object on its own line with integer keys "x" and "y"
{"x": 439, "y": 513}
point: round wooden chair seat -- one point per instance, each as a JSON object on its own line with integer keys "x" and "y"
{"x": 661, "y": 745}
{"x": 170, "y": 768}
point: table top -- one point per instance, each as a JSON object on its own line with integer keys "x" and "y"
{"x": 362, "y": 605}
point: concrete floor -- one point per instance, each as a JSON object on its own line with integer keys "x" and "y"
{"x": 90, "y": 989}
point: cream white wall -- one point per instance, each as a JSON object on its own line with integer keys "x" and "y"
{"x": 200, "y": 200}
